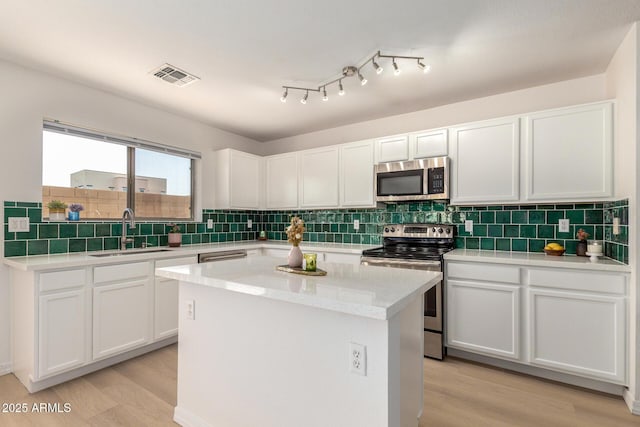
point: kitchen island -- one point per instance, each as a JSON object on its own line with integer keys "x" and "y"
{"x": 263, "y": 347}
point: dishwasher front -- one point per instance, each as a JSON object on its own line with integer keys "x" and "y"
{"x": 221, "y": 255}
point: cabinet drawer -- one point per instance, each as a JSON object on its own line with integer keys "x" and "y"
{"x": 112, "y": 273}
{"x": 484, "y": 272}
{"x": 176, "y": 261}
{"x": 66, "y": 279}
{"x": 578, "y": 280}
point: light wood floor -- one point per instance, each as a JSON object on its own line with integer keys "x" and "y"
{"x": 142, "y": 392}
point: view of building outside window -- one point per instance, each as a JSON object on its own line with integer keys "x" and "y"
{"x": 94, "y": 173}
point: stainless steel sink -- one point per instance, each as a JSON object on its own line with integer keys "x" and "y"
{"x": 130, "y": 252}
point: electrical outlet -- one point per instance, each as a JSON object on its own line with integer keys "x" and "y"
{"x": 249, "y": 223}
{"x": 358, "y": 358}
{"x": 18, "y": 224}
{"x": 191, "y": 309}
{"x": 615, "y": 231}
{"x": 209, "y": 223}
{"x": 563, "y": 225}
{"x": 356, "y": 224}
{"x": 468, "y": 226}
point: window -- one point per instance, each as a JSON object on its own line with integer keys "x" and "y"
{"x": 106, "y": 174}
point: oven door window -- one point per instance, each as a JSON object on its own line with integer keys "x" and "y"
{"x": 402, "y": 183}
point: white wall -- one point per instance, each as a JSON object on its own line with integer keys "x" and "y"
{"x": 28, "y": 96}
{"x": 570, "y": 92}
{"x": 622, "y": 83}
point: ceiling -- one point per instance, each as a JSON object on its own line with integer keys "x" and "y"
{"x": 245, "y": 50}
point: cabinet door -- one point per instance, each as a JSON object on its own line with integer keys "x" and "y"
{"x": 61, "y": 324}
{"x": 429, "y": 143}
{"x": 165, "y": 319}
{"x": 485, "y": 160}
{"x": 483, "y": 318}
{"x": 319, "y": 178}
{"x": 579, "y": 333}
{"x": 392, "y": 149}
{"x": 282, "y": 181}
{"x": 120, "y": 317}
{"x": 244, "y": 190}
{"x": 569, "y": 153}
{"x": 356, "y": 171}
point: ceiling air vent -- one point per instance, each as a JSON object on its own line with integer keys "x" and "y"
{"x": 174, "y": 75}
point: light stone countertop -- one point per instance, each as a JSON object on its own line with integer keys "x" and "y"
{"x": 361, "y": 290}
{"x": 81, "y": 259}
{"x": 536, "y": 260}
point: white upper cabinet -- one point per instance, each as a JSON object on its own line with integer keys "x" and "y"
{"x": 569, "y": 153}
{"x": 431, "y": 143}
{"x": 282, "y": 181}
{"x": 356, "y": 172}
{"x": 392, "y": 149}
{"x": 319, "y": 170}
{"x": 238, "y": 180}
{"x": 485, "y": 159}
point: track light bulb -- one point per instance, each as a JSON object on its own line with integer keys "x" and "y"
{"x": 376, "y": 66}
{"x": 283, "y": 98}
{"x": 324, "y": 94}
{"x": 425, "y": 68}
{"x": 363, "y": 81}
{"x": 304, "y": 98}
{"x": 396, "y": 70}
{"x": 341, "y": 89}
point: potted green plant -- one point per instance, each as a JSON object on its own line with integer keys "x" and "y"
{"x": 56, "y": 210}
{"x": 175, "y": 235}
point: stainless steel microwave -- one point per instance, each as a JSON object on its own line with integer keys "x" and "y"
{"x": 423, "y": 179}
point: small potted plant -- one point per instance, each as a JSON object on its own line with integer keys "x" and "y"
{"x": 175, "y": 235}
{"x": 581, "y": 247}
{"x": 56, "y": 210}
{"x": 74, "y": 211}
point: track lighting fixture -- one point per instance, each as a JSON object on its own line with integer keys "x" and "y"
{"x": 377, "y": 67}
{"x": 396, "y": 70}
{"x": 351, "y": 71}
{"x": 425, "y": 68}
{"x": 363, "y": 81}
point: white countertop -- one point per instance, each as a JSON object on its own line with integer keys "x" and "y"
{"x": 80, "y": 259}
{"x": 536, "y": 259}
{"x": 367, "y": 291}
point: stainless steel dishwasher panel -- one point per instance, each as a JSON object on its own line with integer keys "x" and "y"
{"x": 221, "y": 255}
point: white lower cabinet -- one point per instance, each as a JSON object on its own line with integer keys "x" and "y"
{"x": 61, "y": 323}
{"x": 120, "y": 317}
{"x": 484, "y": 317}
{"x": 571, "y": 320}
{"x": 578, "y": 332}
{"x": 166, "y": 300}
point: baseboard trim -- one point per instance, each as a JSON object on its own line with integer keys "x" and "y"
{"x": 573, "y": 380}
{"x": 188, "y": 419}
{"x": 633, "y": 404}
{"x": 5, "y": 368}
{"x": 35, "y": 386}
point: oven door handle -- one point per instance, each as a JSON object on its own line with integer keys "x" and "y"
{"x": 387, "y": 262}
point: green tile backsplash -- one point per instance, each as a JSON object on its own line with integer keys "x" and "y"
{"x": 520, "y": 228}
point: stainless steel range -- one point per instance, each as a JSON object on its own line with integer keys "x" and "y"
{"x": 418, "y": 246}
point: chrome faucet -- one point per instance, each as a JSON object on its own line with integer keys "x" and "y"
{"x": 128, "y": 212}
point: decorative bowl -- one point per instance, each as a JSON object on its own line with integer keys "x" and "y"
{"x": 555, "y": 252}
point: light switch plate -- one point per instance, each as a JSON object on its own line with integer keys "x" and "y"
{"x": 468, "y": 226}
{"x": 209, "y": 223}
{"x": 356, "y": 224}
{"x": 18, "y": 224}
{"x": 615, "y": 230}
{"x": 563, "y": 225}
{"x": 249, "y": 223}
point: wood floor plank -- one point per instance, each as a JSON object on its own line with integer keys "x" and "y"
{"x": 457, "y": 393}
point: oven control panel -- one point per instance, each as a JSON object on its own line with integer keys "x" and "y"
{"x": 441, "y": 231}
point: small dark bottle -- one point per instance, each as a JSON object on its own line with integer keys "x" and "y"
{"x": 581, "y": 248}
